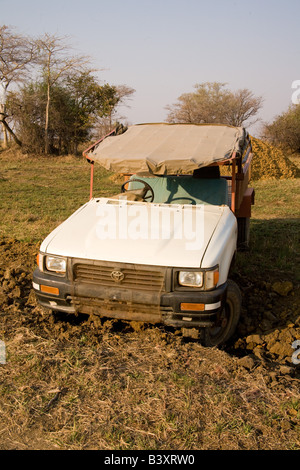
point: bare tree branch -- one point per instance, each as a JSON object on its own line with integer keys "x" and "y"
{"x": 17, "y": 54}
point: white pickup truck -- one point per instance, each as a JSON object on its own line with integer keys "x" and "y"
{"x": 160, "y": 251}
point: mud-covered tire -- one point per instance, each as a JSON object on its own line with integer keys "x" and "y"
{"x": 227, "y": 322}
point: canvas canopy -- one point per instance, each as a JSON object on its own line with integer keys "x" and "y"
{"x": 168, "y": 149}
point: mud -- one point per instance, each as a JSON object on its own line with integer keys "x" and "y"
{"x": 269, "y": 324}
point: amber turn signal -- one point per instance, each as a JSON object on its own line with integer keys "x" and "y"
{"x": 192, "y": 307}
{"x": 50, "y": 290}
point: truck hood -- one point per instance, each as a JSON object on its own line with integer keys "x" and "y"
{"x": 136, "y": 232}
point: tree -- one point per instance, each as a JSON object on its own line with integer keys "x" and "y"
{"x": 17, "y": 54}
{"x": 56, "y": 65}
{"x": 213, "y": 103}
{"x": 285, "y": 129}
{"x": 63, "y": 105}
{"x": 76, "y": 105}
{"x": 91, "y": 102}
{"x": 109, "y": 120}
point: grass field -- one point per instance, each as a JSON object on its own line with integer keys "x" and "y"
{"x": 275, "y": 227}
{"x": 84, "y": 384}
{"x": 39, "y": 193}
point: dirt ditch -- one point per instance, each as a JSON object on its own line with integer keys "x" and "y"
{"x": 269, "y": 324}
{"x": 262, "y": 346}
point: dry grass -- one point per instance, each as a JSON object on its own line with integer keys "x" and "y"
{"x": 97, "y": 389}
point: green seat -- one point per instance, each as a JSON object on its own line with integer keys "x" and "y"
{"x": 185, "y": 189}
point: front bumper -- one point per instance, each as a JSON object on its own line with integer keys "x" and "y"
{"x": 213, "y": 302}
{"x": 166, "y": 308}
{"x": 61, "y": 302}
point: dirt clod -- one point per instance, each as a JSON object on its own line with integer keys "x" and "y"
{"x": 282, "y": 288}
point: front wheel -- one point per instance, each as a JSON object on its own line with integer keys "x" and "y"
{"x": 227, "y": 320}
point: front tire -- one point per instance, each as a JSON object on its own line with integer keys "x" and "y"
{"x": 228, "y": 319}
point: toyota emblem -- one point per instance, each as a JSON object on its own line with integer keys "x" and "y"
{"x": 117, "y": 276}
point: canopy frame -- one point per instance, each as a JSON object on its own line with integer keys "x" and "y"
{"x": 240, "y": 172}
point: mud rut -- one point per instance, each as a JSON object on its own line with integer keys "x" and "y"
{"x": 269, "y": 324}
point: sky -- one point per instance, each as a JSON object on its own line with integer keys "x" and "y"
{"x": 163, "y": 48}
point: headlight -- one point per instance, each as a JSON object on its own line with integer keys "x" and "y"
{"x": 205, "y": 279}
{"x": 56, "y": 264}
{"x": 190, "y": 278}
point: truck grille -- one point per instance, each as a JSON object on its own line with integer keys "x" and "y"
{"x": 122, "y": 276}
